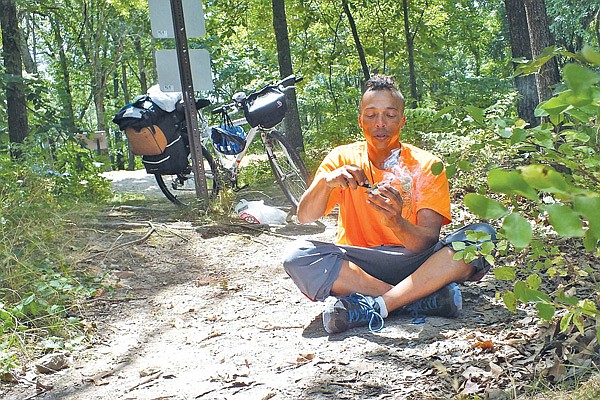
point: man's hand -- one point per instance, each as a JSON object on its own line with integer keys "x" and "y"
{"x": 347, "y": 176}
{"x": 388, "y": 201}
{"x": 415, "y": 237}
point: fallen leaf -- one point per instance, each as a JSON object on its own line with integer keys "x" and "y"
{"x": 124, "y": 274}
{"x": 470, "y": 387}
{"x": 42, "y": 386}
{"x": 484, "y": 345}
{"x": 8, "y": 377}
{"x": 474, "y": 372}
{"x": 52, "y": 363}
{"x": 556, "y": 371}
{"x": 439, "y": 367}
{"x": 149, "y": 371}
{"x": 496, "y": 370}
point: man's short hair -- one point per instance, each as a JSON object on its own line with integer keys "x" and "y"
{"x": 383, "y": 82}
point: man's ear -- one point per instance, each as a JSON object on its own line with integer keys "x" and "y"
{"x": 403, "y": 121}
{"x": 360, "y": 121}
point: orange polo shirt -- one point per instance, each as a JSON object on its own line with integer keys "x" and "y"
{"x": 360, "y": 224}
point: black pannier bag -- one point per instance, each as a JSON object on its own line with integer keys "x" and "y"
{"x": 155, "y": 134}
{"x": 173, "y": 160}
{"x": 266, "y": 110}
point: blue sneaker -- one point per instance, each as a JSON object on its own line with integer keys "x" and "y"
{"x": 446, "y": 302}
{"x": 352, "y": 311}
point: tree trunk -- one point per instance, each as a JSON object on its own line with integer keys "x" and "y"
{"x": 141, "y": 69}
{"x": 118, "y": 144}
{"x": 15, "y": 88}
{"x": 98, "y": 91}
{"x": 540, "y": 37}
{"x": 65, "y": 95}
{"x": 410, "y": 46}
{"x": 293, "y": 131}
{"x": 28, "y": 62}
{"x": 521, "y": 47}
{"x": 359, "y": 48}
{"x": 126, "y": 99}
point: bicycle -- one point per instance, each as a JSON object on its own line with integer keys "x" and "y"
{"x": 263, "y": 110}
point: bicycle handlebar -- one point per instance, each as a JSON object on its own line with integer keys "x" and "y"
{"x": 282, "y": 86}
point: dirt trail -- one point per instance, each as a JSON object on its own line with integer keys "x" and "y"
{"x": 207, "y": 312}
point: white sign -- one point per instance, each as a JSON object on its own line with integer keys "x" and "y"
{"x": 161, "y": 19}
{"x": 168, "y": 70}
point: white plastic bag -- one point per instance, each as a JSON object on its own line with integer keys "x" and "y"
{"x": 257, "y": 212}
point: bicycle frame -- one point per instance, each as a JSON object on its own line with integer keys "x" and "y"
{"x": 233, "y": 163}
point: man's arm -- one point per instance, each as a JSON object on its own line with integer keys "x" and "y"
{"x": 313, "y": 203}
{"x": 415, "y": 238}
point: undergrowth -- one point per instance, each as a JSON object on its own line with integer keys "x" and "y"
{"x": 40, "y": 286}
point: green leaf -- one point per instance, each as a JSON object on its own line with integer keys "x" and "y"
{"x": 565, "y": 321}
{"x": 505, "y": 273}
{"x": 485, "y": 207}
{"x": 521, "y": 291}
{"x": 450, "y": 171}
{"x": 544, "y": 178}
{"x": 564, "y": 220}
{"x": 475, "y": 112}
{"x": 589, "y": 207}
{"x": 517, "y": 230}
{"x": 579, "y": 78}
{"x": 465, "y": 165}
{"x": 487, "y": 247}
{"x": 518, "y": 135}
{"x": 510, "y": 300}
{"x": 544, "y": 138}
{"x": 510, "y": 182}
{"x": 591, "y": 55}
{"x": 578, "y": 321}
{"x": 570, "y": 300}
{"x": 437, "y": 168}
{"x": 588, "y": 306}
{"x": 545, "y": 311}
{"x": 442, "y": 112}
{"x": 458, "y": 246}
{"x": 533, "y": 281}
{"x": 459, "y": 255}
{"x": 590, "y": 243}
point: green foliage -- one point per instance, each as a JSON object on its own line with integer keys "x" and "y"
{"x": 38, "y": 285}
{"x": 555, "y": 192}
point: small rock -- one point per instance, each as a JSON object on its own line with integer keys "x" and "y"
{"x": 496, "y": 394}
{"x": 53, "y": 362}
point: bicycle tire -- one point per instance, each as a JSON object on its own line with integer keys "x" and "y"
{"x": 289, "y": 169}
{"x": 180, "y": 189}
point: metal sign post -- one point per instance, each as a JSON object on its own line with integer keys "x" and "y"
{"x": 189, "y": 100}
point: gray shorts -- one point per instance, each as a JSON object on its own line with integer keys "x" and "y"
{"x": 314, "y": 266}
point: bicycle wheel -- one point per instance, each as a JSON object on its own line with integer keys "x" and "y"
{"x": 181, "y": 188}
{"x": 289, "y": 169}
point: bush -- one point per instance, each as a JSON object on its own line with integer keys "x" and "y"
{"x": 549, "y": 206}
{"x": 39, "y": 285}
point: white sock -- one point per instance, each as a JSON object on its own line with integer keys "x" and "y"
{"x": 382, "y": 308}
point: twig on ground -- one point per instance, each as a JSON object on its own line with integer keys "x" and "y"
{"x": 270, "y": 327}
{"x": 148, "y": 379}
{"x": 113, "y": 248}
{"x": 94, "y": 299}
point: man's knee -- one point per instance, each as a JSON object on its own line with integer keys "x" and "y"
{"x": 295, "y": 253}
{"x": 313, "y": 266}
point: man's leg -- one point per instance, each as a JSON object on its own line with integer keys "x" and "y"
{"x": 352, "y": 279}
{"x": 429, "y": 289}
{"x": 438, "y": 271}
